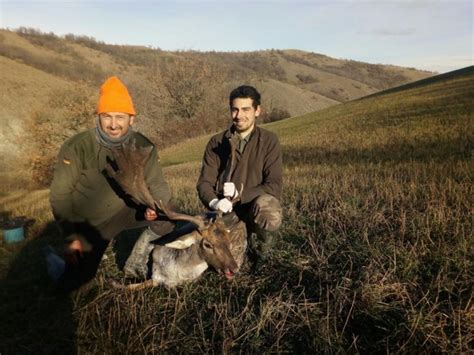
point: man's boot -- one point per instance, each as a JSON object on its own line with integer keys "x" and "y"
{"x": 136, "y": 265}
{"x": 262, "y": 243}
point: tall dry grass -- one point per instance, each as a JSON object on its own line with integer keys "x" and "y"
{"x": 375, "y": 253}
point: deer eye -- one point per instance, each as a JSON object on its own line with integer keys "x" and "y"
{"x": 207, "y": 245}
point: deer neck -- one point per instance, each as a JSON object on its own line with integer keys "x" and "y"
{"x": 193, "y": 256}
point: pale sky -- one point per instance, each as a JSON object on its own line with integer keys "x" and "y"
{"x": 425, "y": 34}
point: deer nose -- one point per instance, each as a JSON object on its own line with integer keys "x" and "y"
{"x": 229, "y": 274}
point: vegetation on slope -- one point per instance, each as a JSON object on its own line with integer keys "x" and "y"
{"x": 375, "y": 254}
{"x": 178, "y": 95}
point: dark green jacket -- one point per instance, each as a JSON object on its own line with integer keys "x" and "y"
{"x": 259, "y": 168}
{"x": 81, "y": 191}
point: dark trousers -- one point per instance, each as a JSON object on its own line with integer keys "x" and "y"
{"x": 263, "y": 213}
{"x": 95, "y": 239}
{"x": 263, "y": 217}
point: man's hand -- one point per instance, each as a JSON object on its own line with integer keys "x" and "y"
{"x": 150, "y": 215}
{"x": 223, "y": 205}
{"x": 72, "y": 251}
{"x": 230, "y": 190}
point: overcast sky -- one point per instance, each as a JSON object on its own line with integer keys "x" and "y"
{"x": 425, "y": 34}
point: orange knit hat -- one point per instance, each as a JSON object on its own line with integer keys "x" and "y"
{"x": 114, "y": 97}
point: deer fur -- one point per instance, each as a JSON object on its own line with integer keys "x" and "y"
{"x": 186, "y": 258}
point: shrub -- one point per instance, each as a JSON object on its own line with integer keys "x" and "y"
{"x": 64, "y": 114}
{"x": 275, "y": 114}
{"x": 306, "y": 79}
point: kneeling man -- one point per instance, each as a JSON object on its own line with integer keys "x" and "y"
{"x": 257, "y": 167}
{"x": 90, "y": 207}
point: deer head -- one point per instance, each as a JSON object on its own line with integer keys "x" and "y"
{"x": 213, "y": 239}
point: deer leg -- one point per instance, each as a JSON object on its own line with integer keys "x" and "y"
{"x": 136, "y": 264}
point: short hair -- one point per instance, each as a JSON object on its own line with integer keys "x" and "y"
{"x": 245, "y": 92}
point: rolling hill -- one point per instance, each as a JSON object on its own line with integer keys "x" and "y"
{"x": 376, "y": 248}
{"x": 36, "y": 66}
{"x": 374, "y": 254}
{"x": 421, "y": 111}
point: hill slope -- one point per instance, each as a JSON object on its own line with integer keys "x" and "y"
{"x": 378, "y": 230}
{"x": 374, "y": 254}
{"x": 419, "y": 112}
{"x": 293, "y": 82}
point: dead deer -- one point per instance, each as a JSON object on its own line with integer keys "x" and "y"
{"x": 186, "y": 258}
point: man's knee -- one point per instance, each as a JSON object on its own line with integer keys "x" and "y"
{"x": 267, "y": 212}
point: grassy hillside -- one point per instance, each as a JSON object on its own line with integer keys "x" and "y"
{"x": 161, "y": 83}
{"x": 375, "y": 253}
{"x": 422, "y": 121}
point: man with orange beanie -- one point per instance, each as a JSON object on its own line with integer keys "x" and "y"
{"x": 86, "y": 202}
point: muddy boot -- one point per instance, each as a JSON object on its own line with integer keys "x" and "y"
{"x": 136, "y": 265}
{"x": 261, "y": 247}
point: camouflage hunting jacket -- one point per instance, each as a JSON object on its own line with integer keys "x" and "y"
{"x": 259, "y": 167}
{"x": 81, "y": 191}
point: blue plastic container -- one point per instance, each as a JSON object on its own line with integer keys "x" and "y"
{"x": 14, "y": 235}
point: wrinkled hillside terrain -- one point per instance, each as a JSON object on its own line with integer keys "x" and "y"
{"x": 178, "y": 94}
{"x": 375, "y": 253}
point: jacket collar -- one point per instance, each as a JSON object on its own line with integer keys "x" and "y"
{"x": 228, "y": 134}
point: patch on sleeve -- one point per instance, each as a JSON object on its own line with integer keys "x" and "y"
{"x": 66, "y": 161}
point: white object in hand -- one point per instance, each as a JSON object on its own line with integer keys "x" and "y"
{"x": 223, "y": 205}
{"x": 230, "y": 190}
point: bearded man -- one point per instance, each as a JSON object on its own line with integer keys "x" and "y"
{"x": 258, "y": 169}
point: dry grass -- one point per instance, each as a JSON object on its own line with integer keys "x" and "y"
{"x": 375, "y": 254}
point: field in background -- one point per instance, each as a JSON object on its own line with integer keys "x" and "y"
{"x": 51, "y": 84}
{"x": 375, "y": 254}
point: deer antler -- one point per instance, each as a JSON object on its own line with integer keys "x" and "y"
{"x": 131, "y": 177}
{"x": 131, "y": 172}
{"x": 175, "y": 216}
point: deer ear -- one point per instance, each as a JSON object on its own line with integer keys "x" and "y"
{"x": 183, "y": 242}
